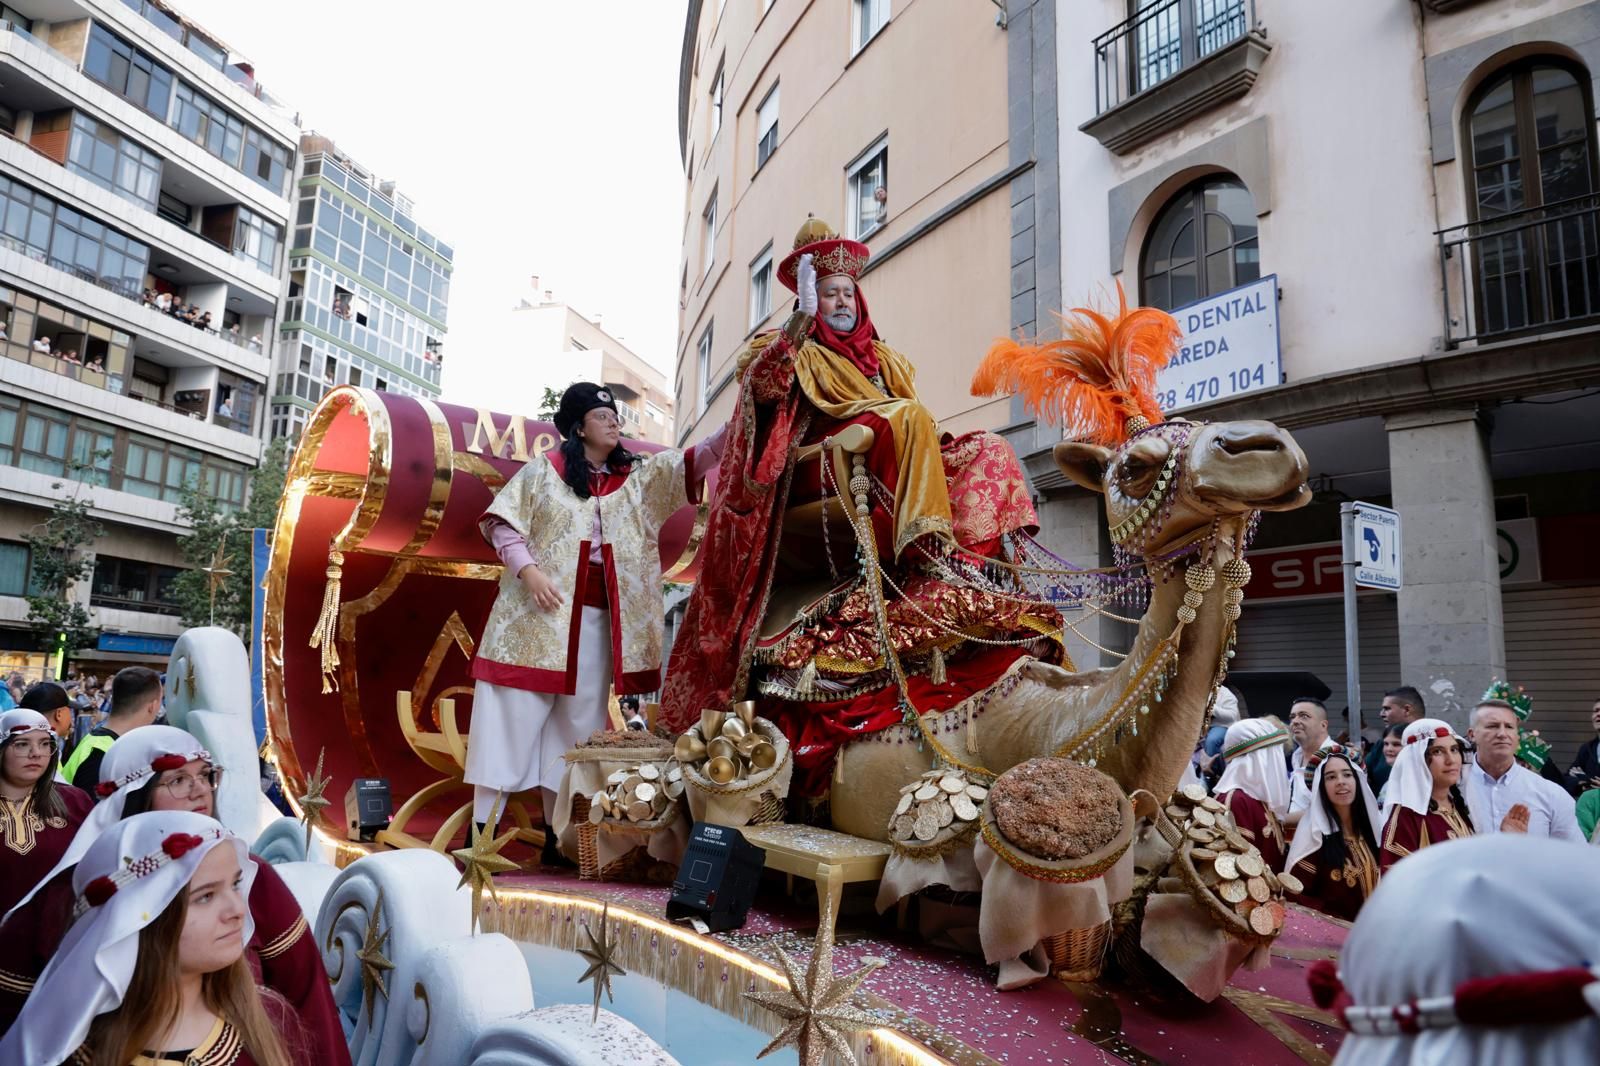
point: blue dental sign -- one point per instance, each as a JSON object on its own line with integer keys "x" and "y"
{"x": 1230, "y": 347}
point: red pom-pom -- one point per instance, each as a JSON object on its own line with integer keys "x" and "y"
{"x": 105, "y": 788}
{"x": 178, "y": 844}
{"x": 99, "y": 890}
{"x": 168, "y": 762}
{"x": 1323, "y": 980}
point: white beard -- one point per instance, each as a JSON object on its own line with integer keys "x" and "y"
{"x": 842, "y": 321}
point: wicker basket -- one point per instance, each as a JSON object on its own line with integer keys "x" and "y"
{"x": 635, "y": 865}
{"x": 1079, "y": 954}
{"x": 770, "y": 806}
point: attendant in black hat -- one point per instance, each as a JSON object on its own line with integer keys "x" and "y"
{"x": 579, "y": 610}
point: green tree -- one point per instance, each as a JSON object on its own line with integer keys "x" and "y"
{"x": 210, "y": 526}
{"x": 60, "y": 559}
{"x": 550, "y": 404}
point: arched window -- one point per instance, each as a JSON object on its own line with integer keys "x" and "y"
{"x": 1531, "y": 184}
{"x": 1203, "y": 242}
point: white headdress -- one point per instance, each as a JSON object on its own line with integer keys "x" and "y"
{"x": 1501, "y": 935}
{"x": 1225, "y": 708}
{"x": 129, "y": 763}
{"x": 123, "y": 882}
{"x": 1320, "y": 819}
{"x": 1410, "y": 781}
{"x": 20, "y": 720}
{"x": 1254, "y": 750}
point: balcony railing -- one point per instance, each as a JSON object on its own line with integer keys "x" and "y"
{"x": 1525, "y": 271}
{"x": 1159, "y": 41}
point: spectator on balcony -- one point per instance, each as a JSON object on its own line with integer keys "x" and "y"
{"x": 42, "y": 344}
{"x": 164, "y": 302}
{"x": 225, "y": 408}
{"x": 96, "y": 363}
{"x": 205, "y": 321}
{"x": 233, "y": 333}
{"x": 255, "y": 343}
{"x": 70, "y": 356}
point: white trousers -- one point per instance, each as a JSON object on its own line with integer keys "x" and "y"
{"x": 518, "y": 738}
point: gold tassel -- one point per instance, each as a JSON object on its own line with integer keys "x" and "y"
{"x": 936, "y": 671}
{"x": 324, "y": 634}
{"x": 807, "y": 685}
{"x": 838, "y": 767}
{"x": 972, "y": 732}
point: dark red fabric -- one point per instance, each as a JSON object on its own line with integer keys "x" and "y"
{"x": 595, "y": 586}
{"x": 1325, "y": 892}
{"x": 856, "y": 345}
{"x": 817, "y": 730}
{"x": 1251, "y": 815}
{"x": 297, "y": 973}
{"x": 1549, "y": 998}
{"x": 21, "y": 870}
{"x": 738, "y": 557}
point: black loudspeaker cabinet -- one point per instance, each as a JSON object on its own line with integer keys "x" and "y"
{"x": 367, "y": 807}
{"x": 717, "y": 880}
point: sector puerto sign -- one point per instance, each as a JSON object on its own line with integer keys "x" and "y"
{"x": 1230, "y": 347}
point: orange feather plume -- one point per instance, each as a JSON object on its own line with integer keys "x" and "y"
{"x": 1101, "y": 373}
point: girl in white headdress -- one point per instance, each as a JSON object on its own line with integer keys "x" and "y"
{"x": 38, "y": 814}
{"x": 1425, "y": 803}
{"x": 161, "y": 768}
{"x": 1335, "y": 849}
{"x": 1255, "y": 783}
{"x": 153, "y": 969}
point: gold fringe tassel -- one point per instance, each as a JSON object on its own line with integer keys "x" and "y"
{"x": 699, "y": 967}
{"x": 972, "y": 732}
{"x": 807, "y": 685}
{"x": 324, "y": 635}
{"x": 936, "y": 670}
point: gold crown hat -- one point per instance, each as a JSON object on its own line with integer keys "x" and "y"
{"x": 830, "y": 254}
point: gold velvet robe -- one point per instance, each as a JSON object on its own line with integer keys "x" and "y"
{"x": 837, "y": 387}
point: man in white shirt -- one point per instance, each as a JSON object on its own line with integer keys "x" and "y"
{"x": 1495, "y": 782}
{"x": 1308, "y": 727}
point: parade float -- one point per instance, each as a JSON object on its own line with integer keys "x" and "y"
{"x": 992, "y": 860}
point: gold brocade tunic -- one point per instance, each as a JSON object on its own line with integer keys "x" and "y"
{"x": 838, "y": 388}
{"x": 529, "y": 648}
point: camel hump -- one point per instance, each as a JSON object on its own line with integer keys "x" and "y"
{"x": 1056, "y": 677}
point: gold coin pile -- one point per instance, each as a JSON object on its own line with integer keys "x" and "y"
{"x": 641, "y": 794}
{"x": 730, "y": 745}
{"x": 1228, "y": 863}
{"x": 933, "y": 802}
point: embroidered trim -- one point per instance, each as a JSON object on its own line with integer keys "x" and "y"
{"x": 285, "y": 940}
{"x": 15, "y": 982}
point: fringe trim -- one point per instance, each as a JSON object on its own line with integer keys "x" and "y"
{"x": 678, "y": 958}
{"x": 326, "y": 633}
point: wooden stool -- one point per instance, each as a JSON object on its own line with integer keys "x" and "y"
{"x": 830, "y": 859}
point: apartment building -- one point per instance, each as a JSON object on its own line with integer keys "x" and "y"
{"x": 368, "y": 290}
{"x": 145, "y": 181}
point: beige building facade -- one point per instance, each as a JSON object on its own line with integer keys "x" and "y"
{"x": 1409, "y": 195}
{"x": 789, "y": 109}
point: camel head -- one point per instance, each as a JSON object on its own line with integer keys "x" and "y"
{"x": 1174, "y": 478}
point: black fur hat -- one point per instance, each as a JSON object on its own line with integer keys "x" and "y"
{"x": 580, "y": 398}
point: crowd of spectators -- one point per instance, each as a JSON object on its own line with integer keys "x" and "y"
{"x": 191, "y": 315}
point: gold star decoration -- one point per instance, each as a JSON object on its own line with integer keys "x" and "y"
{"x": 602, "y": 965}
{"x": 373, "y": 963}
{"x": 481, "y": 860}
{"x": 816, "y": 1006}
{"x": 312, "y": 801}
{"x": 216, "y": 574}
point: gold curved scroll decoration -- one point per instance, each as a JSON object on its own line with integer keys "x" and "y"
{"x": 477, "y": 466}
{"x": 701, "y": 512}
{"x": 453, "y": 632}
{"x": 444, "y": 723}
{"x": 304, "y": 479}
{"x": 439, "y": 490}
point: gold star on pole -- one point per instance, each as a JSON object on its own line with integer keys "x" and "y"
{"x": 312, "y": 801}
{"x": 816, "y": 1006}
{"x": 373, "y": 962}
{"x": 602, "y": 966}
{"x": 216, "y": 574}
{"x": 481, "y": 860}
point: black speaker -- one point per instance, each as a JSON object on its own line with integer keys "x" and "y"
{"x": 367, "y": 807}
{"x": 717, "y": 880}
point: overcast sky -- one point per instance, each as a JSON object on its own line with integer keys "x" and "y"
{"x": 535, "y": 137}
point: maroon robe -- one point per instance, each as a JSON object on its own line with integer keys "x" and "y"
{"x": 1407, "y": 831}
{"x": 31, "y": 845}
{"x": 1337, "y": 890}
{"x": 225, "y": 1047}
{"x": 283, "y": 951}
{"x": 1258, "y": 824}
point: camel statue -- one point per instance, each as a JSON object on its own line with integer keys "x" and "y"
{"x": 1137, "y": 721}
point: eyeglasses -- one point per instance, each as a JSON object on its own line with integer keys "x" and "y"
{"x": 40, "y": 746}
{"x": 183, "y": 784}
{"x": 606, "y": 419}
